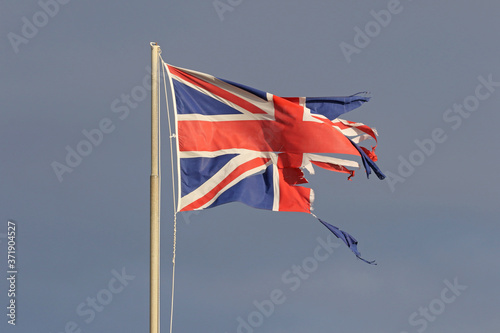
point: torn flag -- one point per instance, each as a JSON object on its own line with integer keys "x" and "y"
{"x": 237, "y": 143}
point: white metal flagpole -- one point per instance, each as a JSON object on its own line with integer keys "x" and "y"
{"x": 154, "y": 287}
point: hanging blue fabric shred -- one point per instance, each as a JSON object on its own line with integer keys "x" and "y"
{"x": 368, "y": 163}
{"x": 350, "y": 241}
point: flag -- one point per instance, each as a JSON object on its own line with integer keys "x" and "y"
{"x": 240, "y": 144}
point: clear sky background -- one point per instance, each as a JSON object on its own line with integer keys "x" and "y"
{"x": 432, "y": 227}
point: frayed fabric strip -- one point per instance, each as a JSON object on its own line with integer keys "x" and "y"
{"x": 349, "y": 240}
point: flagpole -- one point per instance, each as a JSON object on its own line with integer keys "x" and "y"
{"x": 154, "y": 286}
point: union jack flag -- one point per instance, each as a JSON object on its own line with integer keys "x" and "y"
{"x": 237, "y": 143}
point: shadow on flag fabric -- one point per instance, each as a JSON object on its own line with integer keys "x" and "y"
{"x": 240, "y": 144}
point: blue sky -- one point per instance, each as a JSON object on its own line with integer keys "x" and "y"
{"x": 83, "y": 237}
